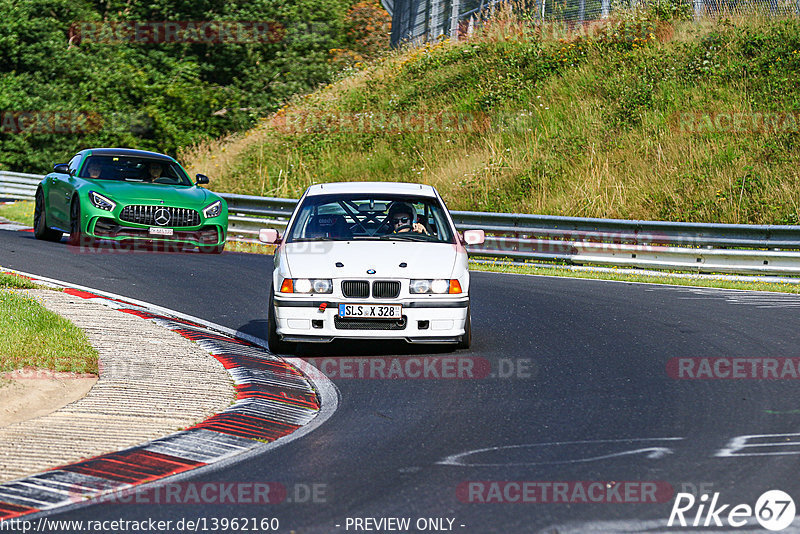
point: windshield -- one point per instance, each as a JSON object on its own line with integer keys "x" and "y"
{"x": 386, "y": 217}
{"x": 134, "y": 169}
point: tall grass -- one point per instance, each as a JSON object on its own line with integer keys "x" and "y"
{"x": 585, "y": 121}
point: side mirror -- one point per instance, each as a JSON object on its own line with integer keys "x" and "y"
{"x": 269, "y": 236}
{"x": 61, "y": 168}
{"x": 474, "y": 237}
{"x": 201, "y": 179}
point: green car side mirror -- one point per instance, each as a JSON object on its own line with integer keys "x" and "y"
{"x": 201, "y": 179}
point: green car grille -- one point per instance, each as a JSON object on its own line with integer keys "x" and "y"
{"x": 156, "y": 215}
{"x": 108, "y": 228}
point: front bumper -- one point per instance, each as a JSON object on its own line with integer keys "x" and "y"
{"x": 424, "y": 321}
{"x": 111, "y": 228}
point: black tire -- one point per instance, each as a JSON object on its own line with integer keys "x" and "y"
{"x": 216, "y": 249}
{"x": 40, "y": 228}
{"x": 466, "y": 339}
{"x": 276, "y": 344}
{"x": 75, "y": 235}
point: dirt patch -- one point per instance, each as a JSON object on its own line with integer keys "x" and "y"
{"x": 31, "y": 393}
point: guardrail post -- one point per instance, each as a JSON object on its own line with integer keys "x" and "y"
{"x": 698, "y": 9}
{"x": 435, "y": 29}
{"x": 454, "y": 19}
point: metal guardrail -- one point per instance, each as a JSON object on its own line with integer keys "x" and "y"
{"x": 18, "y": 185}
{"x": 698, "y": 247}
{"x": 731, "y": 248}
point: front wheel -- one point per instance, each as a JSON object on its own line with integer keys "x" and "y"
{"x": 76, "y": 237}
{"x": 276, "y": 344}
{"x": 40, "y": 228}
{"x": 216, "y": 249}
{"x": 466, "y": 339}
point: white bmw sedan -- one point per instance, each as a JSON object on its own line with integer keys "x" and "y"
{"x": 370, "y": 260}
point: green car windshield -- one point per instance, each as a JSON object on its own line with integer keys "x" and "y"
{"x": 134, "y": 169}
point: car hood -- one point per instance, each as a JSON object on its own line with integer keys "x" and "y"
{"x": 317, "y": 259}
{"x": 132, "y": 193}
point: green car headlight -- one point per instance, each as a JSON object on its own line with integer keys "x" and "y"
{"x": 212, "y": 210}
{"x": 99, "y": 201}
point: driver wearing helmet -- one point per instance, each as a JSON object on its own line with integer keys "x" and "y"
{"x": 154, "y": 171}
{"x": 94, "y": 169}
{"x": 403, "y": 218}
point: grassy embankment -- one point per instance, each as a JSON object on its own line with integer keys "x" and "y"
{"x": 615, "y": 124}
{"x": 35, "y": 337}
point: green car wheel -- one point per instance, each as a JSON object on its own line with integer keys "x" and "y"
{"x": 74, "y": 223}
{"x": 213, "y": 250}
{"x": 40, "y": 228}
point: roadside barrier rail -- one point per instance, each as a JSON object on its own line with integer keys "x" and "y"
{"x": 18, "y": 185}
{"x": 697, "y": 247}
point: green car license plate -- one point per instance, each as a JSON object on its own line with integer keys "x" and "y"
{"x": 160, "y": 231}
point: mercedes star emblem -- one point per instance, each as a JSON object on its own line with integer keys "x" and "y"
{"x": 161, "y": 216}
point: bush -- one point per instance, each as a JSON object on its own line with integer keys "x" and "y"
{"x": 158, "y": 96}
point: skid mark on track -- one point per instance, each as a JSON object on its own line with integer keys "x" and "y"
{"x": 759, "y": 299}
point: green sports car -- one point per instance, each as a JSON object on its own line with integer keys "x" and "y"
{"x": 128, "y": 196}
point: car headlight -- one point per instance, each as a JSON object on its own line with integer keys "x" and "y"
{"x": 212, "y": 210}
{"x": 307, "y": 285}
{"x": 99, "y": 201}
{"x": 438, "y": 286}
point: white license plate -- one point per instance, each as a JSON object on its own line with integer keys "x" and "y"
{"x": 370, "y": 311}
{"x": 160, "y": 231}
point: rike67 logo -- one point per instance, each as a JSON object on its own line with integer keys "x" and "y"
{"x": 774, "y": 510}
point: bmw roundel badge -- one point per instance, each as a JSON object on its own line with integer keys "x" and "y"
{"x": 370, "y": 271}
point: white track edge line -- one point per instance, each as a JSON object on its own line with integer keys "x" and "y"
{"x": 328, "y": 392}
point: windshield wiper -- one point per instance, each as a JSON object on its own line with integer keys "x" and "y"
{"x": 407, "y": 236}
